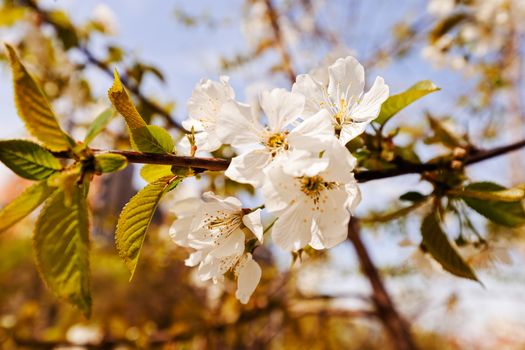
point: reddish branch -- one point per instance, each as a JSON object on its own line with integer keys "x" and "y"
{"x": 220, "y": 164}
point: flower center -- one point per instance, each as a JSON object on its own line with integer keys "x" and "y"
{"x": 277, "y": 142}
{"x": 222, "y": 224}
{"x": 314, "y": 186}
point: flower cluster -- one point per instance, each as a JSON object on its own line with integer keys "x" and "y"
{"x": 295, "y": 154}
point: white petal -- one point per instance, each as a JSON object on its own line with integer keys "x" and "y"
{"x": 351, "y": 130}
{"x": 354, "y": 196}
{"x": 238, "y": 126}
{"x": 317, "y": 127}
{"x": 281, "y": 107}
{"x": 231, "y": 245}
{"x": 186, "y": 206}
{"x": 248, "y": 278}
{"x": 253, "y": 222}
{"x": 293, "y": 228}
{"x": 207, "y": 98}
{"x": 279, "y": 189}
{"x": 312, "y": 91}
{"x": 248, "y": 167}
{"x": 332, "y": 223}
{"x": 303, "y": 163}
{"x": 370, "y": 105}
{"x": 180, "y": 229}
{"x": 342, "y": 163}
{"x": 228, "y": 203}
{"x": 207, "y": 141}
{"x": 347, "y": 79}
{"x": 195, "y": 258}
{"x": 192, "y": 123}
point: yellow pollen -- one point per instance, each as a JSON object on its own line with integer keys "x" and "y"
{"x": 277, "y": 142}
{"x": 313, "y": 186}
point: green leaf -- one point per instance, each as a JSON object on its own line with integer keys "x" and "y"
{"x": 65, "y": 30}
{"x": 446, "y": 25}
{"x": 136, "y": 217}
{"x": 34, "y": 108}
{"x": 396, "y": 103}
{"x": 24, "y": 204}
{"x": 28, "y": 159}
{"x": 120, "y": 99}
{"x": 152, "y": 172}
{"x": 438, "y": 245}
{"x": 506, "y": 213}
{"x": 98, "y": 125}
{"x": 152, "y": 139}
{"x": 412, "y": 196}
{"x": 110, "y": 162}
{"x": 442, "y": 134}
{"x": 505, "y": 195}
{"x": 61, "y": 244}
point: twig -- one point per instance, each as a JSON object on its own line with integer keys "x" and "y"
{"x": 219, "y": 164}
{"x": 279, "y": 40}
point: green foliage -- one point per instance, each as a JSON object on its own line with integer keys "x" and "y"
{"x": 446, "y": 25}
{"x": 497, "y": 206}
{"x": 24, "y": 204}
{"x": 136, "y": 217}
{"x": 152, "y": 172}
{"x": 98, "y": 125}
{"x": 442, "y": 134}
{"x": 438, "y": 245}
{"x": 110, "y": 162}
{"x": 145, "y": 138}
{"x": 61, "y": 244}
{"x": 66, "y": 32}
{"x": 152, "y": 139}
{"x": 396, "y": 103}
{"x": 34, "y": 108}
{"x": 28, "y": 159}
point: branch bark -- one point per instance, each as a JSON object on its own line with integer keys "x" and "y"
{"x": 397, "y": 328}
{"x": 220, "y": 164}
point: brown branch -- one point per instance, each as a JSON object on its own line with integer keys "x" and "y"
{"x": 397, "y": 328}
{"x": 220, "y": 164}
{"x": 91, "y": 59}
{"x": 279, "y": 40}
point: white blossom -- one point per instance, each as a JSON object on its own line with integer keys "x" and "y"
{"x": 204, "y": 106}
{"x": 216, "y": 229}
{"x": 260, "y": 145}
{"x": 313, "y": 196}
{"x": 341, "y": 92}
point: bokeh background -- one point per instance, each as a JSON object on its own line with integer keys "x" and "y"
{"x": 472, "y": 49}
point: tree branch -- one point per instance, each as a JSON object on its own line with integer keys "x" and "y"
{"x": 279, "y": 40}
{"x": 220, "y": 164}
{"x": 397, "y": 328}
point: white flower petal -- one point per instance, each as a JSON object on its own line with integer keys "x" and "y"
{"x": 253, "y": 222}
{"x": 281, "y": 107}
{"x": 293, "y": 228}
{"x": 231, "y": 245}
{"x": 317, "y": 127}
{"x": 180, "y": 230}
{"x": 228, "y": 203}
{"x": 302, "y": 163}
{"x": 312, "y": 91}
{"x": 332, "y": 224}
{"x": 248, "y": 167}
{"x": 368, "y": 108}
{"x": 347, "y": 79}
{"x": 237, "y": 125}
{"x": 207, "y": 98}
{"x": 354, "y": 196}
{"x": 279, "y": 189}
{"x": 195, "y": 258}
{"x": 248, "y": 277}
{"x": 351, "y": 130}
{"x": 342, "y": 163}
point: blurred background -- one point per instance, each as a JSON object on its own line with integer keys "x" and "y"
{"x": 472, "y": 49}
